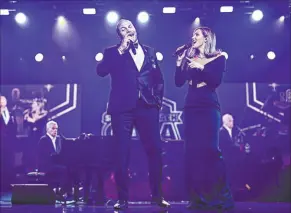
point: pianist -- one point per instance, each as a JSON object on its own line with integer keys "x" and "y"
{"x": 49, "y": 161}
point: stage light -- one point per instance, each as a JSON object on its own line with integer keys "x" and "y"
{"x": 159, "y": 56}
{"x": 4, "y": 12}
{"x": 89, "y": 11}
{"x": 62, "y": 21}
{"x": 252, "y": 57}
{"x": 248, "y": 186}
{"x": 196, "y": 22}
{"x": 257, "y": 15}
{"x": 112, "y": 17}
{"x": 282, "y": 18}
{"x": 21, "y": 18}
{"x": 99, "y": 57}
{"x": 62, "y": 25}
{"x": 38, "y": 57}
{"x": 143, "y": 17}
{"x": 226, "y": 9}
{"x": 169, "y": 9}
{"x": 271, "y": 55}
{"x": 64, "y": 58}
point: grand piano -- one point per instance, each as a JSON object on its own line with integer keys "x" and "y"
{"x": 88, "y": 155}
{"x": 89, "y": 150}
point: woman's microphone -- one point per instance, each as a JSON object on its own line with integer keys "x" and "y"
{"x": 180, "y": 51}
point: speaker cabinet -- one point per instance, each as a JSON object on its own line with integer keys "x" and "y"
{"x": 32, "y": 194}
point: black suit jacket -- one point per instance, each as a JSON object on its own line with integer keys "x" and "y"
{"x": 228, "y": 144}
{"x": 127, "y": 81}
{"x": 9, "y": 130}
{"x": 47, "y": 155}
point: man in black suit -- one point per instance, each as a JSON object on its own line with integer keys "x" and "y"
{"x": 7, "y": 121}
{"x": 50, "y": 162}
{"x": 136, "y": 96}
{"x": 228, "y": 134}
{"x": 230, "y": 147}
{"x": 7, "y": 142}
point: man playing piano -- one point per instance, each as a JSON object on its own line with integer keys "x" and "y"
{"x": 50, "y": 162}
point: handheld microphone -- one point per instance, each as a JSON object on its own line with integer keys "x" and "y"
{"x": 60, "y": 134}
{"x": 180, "y": 51}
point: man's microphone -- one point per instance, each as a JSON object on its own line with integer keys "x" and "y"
{"x": 180, "y": 51}
{"x": 61, "y": 134}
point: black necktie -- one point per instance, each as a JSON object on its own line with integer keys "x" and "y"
{"x": 5, "y": 116}
{"x": 135, "y": 45}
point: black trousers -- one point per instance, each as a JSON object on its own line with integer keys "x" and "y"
{"x": 146, "y": 121}
{"x": 99, "y": 173}
{"x": 6, "y": 161}
{"x": 62, "y": 176}
{"x": 205, "y": 173}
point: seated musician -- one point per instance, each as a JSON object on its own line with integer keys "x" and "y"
{"x": 50, "y": 161}
{"x": 230, "y": 147}
{"x": 228, "y": 134}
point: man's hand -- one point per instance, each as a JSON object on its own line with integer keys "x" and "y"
{"x": 125, "y": 43}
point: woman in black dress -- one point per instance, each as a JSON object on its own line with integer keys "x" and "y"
{"x": 201, "y": 67}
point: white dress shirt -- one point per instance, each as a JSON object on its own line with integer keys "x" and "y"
{"x": 138, "y": 58}
{"x": 6, "y": 115}
{"x": 53, "y": 141}
{"x": 229, "y": 130}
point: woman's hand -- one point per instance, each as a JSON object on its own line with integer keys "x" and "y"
{"x": 180, "y": 57}
{"x": 194, "y": 64}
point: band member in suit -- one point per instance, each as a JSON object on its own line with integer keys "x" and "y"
{"x": 228, "y": 134}
{"x": 7, "y": 121}
{"x": 136, "y": 95}
{"x": 201, "y": 66}
{"x": 233, "y": 151}
{"x": 50, "y": 162}
{"x": 7, "y": 140}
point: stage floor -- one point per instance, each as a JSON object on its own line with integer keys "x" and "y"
{"x": 141, "y": 207}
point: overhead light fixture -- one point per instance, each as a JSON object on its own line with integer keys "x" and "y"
{"x": 226, "y": 9}
{"x": 89, "y": 11}
{"x": 169, "y": 10}
{"x": 4, "y": 12}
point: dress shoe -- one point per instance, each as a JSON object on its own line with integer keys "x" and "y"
{"x": 60, "y": 198}
{"x": 225, "y": 206}
{"x": 104, "y": 201}
{"x": 161, "y": 203}
{"x": 121, "y": 204}
{"x": 192, "y": 205}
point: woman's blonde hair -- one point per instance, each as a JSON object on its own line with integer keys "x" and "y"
{"x": 210, "y": 44}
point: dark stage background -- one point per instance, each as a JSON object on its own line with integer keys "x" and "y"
{"x": 73, "y": 83}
